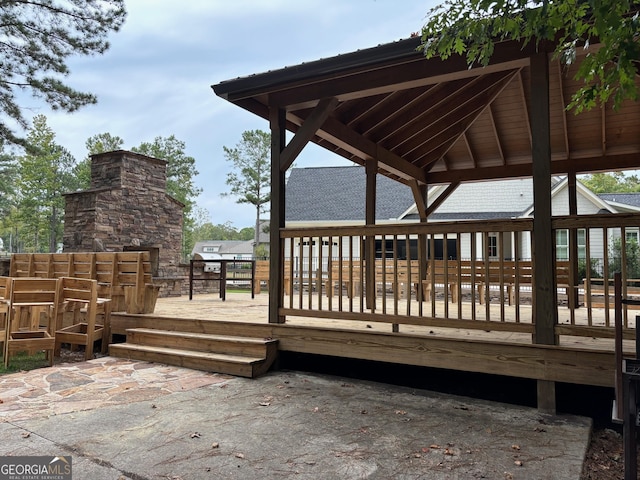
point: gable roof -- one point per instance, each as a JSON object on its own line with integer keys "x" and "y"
{"x": 226, "y": 247}
{"x": 437, "y": 121}
{"x": 629, "y": 199}
{"x": 338, "y": 194}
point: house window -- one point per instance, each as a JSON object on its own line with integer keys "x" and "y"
{"x": 213, "y": 249}
{"x": 631, "y": 235}
{"x": 493, "y": 245}
{"x": 562, "y": 244}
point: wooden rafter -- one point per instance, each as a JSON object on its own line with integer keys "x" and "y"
{"x": 461, "y": 114}
{"x": 344, "y": 137}
{"x": 426, "y": 108}
{"x": 524, "y": 106}
{"x": 440, "y": 143}
{"x": 386, "y": 111}
{"x": 496, "y": 134}
{"x": 472, "y": 155}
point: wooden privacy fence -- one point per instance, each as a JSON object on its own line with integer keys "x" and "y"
{"x": 463, "y": 275}
{"x": 124, "y": 277}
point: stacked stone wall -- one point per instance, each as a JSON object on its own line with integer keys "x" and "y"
{"x": 127, "y": 208}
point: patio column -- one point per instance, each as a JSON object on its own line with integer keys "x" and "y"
{"x": 545, "y": 312}
{"x": 371, "y": 168}
{"x": 573, "y": 240}
{"x": 420, "y": 196}
{"x": 277, "y": 123}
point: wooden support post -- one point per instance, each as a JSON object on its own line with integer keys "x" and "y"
{"x": 370, "y": 219}
{"x": 574, "y": 281}
{"x": 420, "y": 195}
{"x": 544, "y": 294}
{"x": 547, "y": 397}
{"x": 277, "y": 122}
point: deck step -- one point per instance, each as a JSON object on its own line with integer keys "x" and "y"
{"x": 233, "y": 355}
{"x": 202, "y": 342}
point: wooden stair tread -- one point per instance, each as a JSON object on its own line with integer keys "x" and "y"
{"x": 187, "y": 353}
{"x": 207, "y": 336}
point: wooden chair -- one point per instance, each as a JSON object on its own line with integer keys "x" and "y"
{"x": 78, "y": 299}
{"x": 5, "y": 293}
{"x": 32, "y": 316}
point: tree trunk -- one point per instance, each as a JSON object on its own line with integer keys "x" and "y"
{"x": 256, "y": 234}
{"x": 52, "y": 231}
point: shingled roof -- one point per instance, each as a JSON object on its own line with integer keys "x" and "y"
{"x": 338, "y": 194}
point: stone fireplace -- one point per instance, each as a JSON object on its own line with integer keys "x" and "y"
{"x": 127, "y": 208}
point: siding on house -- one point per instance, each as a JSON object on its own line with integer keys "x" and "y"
{"x": 335, "y": 195}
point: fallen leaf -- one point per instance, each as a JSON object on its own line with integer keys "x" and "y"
{"x": 26, "y": 434}
{"x": 153, "y": 406}
{"x": 264, "y": 404}
{"x": 400, "y": 412}
{"x": 195, "y": 435}
{"x": 363, "y": 412}
{"x": 215, "y": 445}
{"x": 434, "y": 446}
{"x": 448, "y": 451}
{"x": 239, "y": 455}
{"x": 518, "y": 463}
{"x": 515, "y": 447}
{"x": 316, "y": 409}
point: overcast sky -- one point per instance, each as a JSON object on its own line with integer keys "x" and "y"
{"x": 156, "y": 78}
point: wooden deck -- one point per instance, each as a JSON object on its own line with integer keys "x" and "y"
{"x": 579, "y": 360}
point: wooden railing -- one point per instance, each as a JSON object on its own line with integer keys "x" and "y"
{"x": 474, "y": 275}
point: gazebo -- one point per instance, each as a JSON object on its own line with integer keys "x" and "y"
{"x": 427, "y": 122}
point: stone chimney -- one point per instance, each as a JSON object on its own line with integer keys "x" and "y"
{"x": 126, "y": 208}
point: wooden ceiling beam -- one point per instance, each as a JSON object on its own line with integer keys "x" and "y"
{"x": 345, "y": 138}
{"x": 307, "y": 131}
{"x": 348, "y": 113}
{"x": 496, "y": 134}
{"x": 440, "y": 143}
{"x": 398, "y": 103}
{"x": 472, "y": 155}
{"x": 426, "y": 109}
{"x": 525, "y": 107}
{"x": 558, "y": 167}
{"x": 476, "y": 95}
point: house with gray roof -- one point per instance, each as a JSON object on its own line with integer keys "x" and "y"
{"x": 323, "y": 196}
